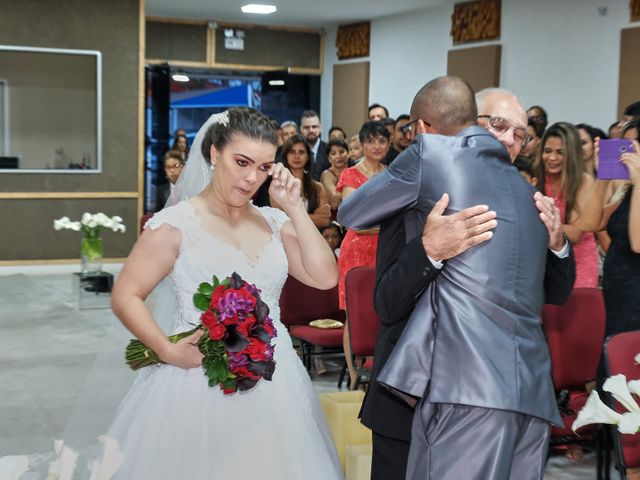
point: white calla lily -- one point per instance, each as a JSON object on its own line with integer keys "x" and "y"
{"x": 595, "y": 411}
{"x": 634, "y": 387}
{"x": 617, "y": 386}
{"x": 116, "y": 219}
{"x": 629, "y": 423}
{"x": 86, "y": 218}
{"x": 75, "y": 226}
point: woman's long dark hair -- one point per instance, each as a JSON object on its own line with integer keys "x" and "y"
{"x": 308, "y": 187}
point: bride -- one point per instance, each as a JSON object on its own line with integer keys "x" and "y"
{"x": 171, "y": 424}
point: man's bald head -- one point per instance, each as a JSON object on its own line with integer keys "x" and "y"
{"x": 447, "y": 104}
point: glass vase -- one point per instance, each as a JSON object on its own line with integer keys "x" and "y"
{"x": 91, "y": 254}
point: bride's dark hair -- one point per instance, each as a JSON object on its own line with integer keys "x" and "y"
{"x": 242, "y": 120}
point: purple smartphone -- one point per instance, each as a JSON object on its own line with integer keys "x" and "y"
{"x": 609, "y": 165}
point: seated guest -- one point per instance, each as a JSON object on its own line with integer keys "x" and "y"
{"x": 338, "y": 156}
{"x": 355, "y": 150}
{"x": 296, "y": 156}
{"x": 337, "y": 133}
{"x": 399, "y": 141}
{"x": 172, "y": 166}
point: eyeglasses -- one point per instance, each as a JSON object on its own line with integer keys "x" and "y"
{"x": 177, "y": 166}
{"x": 501, "y": 125}
{"x": 408, "y": 128}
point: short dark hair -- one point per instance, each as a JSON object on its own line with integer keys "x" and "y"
{"x": 377, "y": 105}
{"x": 344, "y": 134}
{"x": 634, "y": 123}
{"x": 337, "y": 142}
{"x": 524, "y": 164}
{"x": 632, "y": 109}
{"x": 176, "y": 155}
{"x": 404, "y": 116}
{"x": 309, "y": 114}
{"x": 241, "y": 120}
{"x": 372, "y": 129}
{"x": 447, "y": 103}
{"x": 536, "y": 127}
{"x": 388, "y": 121}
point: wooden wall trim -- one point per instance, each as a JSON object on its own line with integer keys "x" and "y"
{"x": 57, "y": 261}
{"x": 66, "y": 195}
{"x": 141, "y": 100}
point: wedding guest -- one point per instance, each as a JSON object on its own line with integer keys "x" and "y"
{"x": 296, "y": 156}
{"x": 337, "y": 133}
{"x": 377, "y": 112}
{"x": 359, "y": 247}
{"x": 539, "y": 117}
{"x": 173, "y": 165}
{"x": 333, "y": 235}
{"x": 561, "y": 176}
{"x": 288, "y": 130}
{"x": 355, "y": 150}
{"x": 338, "y": 156}
{"x": 534, "y": 132}
{"x": 181, "y": 144}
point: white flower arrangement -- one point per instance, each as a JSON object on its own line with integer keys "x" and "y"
{"x": 91, "y": 224}
{"x": 595, "y": 411}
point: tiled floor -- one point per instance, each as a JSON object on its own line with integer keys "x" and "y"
{"x": 48, "y": 346}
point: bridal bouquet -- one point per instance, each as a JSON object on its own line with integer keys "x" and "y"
{"x": 595, "y": 411}
{"x": 237, "y": 336}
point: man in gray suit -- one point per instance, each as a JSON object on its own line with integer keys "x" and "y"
{"x": 482, "y": 377}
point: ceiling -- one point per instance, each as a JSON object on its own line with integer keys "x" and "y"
{"x": 307, "y": 13}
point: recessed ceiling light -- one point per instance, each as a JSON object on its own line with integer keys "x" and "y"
{"x": 276, "y": 83}
{"x": 258, "y": 8}
{"x": 180, "y": 78}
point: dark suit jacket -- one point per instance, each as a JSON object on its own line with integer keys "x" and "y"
{"x": 321, "y": 161}
{"x": 489, "y": 349}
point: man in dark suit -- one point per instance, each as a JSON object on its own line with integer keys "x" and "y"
{"x": 404, "y": 272}
{"x": 310, "y": 129}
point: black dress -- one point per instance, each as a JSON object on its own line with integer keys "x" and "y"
{"x": 621, "y": 275}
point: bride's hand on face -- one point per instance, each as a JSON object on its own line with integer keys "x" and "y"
{"x": 184, "y": 353}
{"x": 285, "y": 188}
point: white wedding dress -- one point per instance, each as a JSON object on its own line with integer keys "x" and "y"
{"x": 172, "y": 425}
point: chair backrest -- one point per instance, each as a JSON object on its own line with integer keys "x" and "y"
{"x": 144, "y": 219}
{"x": 575, "y": 335}
{"x": 363, "y": 321}
{"x": 300, "y": 304}
{"x": 619, "y": 352}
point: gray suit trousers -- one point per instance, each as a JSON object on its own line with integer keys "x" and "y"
{"x": 450, "y": 442}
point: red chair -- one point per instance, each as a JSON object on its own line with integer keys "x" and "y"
{"x": 575, "y": 335}
{"x": 144, "y": 219}
{"x": 620, "y": 351}
{"x": 301, "y": 304}
{"x": 363, "y": 321}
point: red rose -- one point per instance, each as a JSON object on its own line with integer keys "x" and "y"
{"x": 217, "y": 294}
{"x": 245, "y": 372}
{"x": 208, "y": 319}
{"x": 230, "y": 320}
{"x": 228, "y": 390}
{"x": 217, "y": 332}
{"x": 246, "y": 325}
{"x": 256, "y": 349}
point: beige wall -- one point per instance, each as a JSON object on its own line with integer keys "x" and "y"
{"x": 112, "y": 27}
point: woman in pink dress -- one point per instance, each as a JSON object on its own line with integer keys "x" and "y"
{"x": 561, "y": 175}
{"x": 359, "y": 247}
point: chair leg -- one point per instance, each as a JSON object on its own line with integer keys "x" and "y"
{"x": 343, "y": 372}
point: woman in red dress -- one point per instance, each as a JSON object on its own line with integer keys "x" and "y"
{"x": 359, "y": 247}
{"x": 561, "y": 175}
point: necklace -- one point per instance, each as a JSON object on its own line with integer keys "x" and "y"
{"x": 370, "y": 173}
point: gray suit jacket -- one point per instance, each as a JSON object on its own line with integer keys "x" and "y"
{"x": 475, "y": 336}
